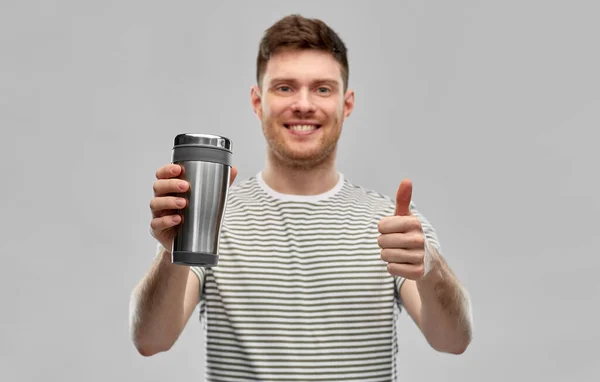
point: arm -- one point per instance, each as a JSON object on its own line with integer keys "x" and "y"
{"x": 431, "y": 294}
{"x": 161, "y": 305}
{"x": 440, "y": 307}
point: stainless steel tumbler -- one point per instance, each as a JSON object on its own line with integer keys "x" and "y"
{"x": 206, "y": 161}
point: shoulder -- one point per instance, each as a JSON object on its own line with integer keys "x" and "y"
{"x": 371, "y": 196}
{"x": 376, "y": 203}
{"x": 242, "y": 190}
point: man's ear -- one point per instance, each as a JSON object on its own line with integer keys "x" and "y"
{"x": 348, "y": 103}
{"x": 256, "y": 101}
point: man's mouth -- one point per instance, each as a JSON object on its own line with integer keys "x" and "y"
{"x": 301, "y": 128}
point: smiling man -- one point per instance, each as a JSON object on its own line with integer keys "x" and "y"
{"x": 313, "y": 269}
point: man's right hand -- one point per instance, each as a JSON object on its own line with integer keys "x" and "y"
{"x": 166, "y": 204}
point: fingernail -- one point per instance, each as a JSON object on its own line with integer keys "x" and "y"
{"x": 180, "y": 203}
{"x": 182, "y": 186}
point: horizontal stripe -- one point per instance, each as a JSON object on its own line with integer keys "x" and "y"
{"x": 222, "y": 378}
{"x": 321, "y": 323}
{"x": 305, "y": 238}
{"x": 241, "y": 357}
{"x": 354, "y": 281}
{"x": 306, "y": 321}
{"x": 299, "y": 339}
{"x": 300, "y": 333}
{"x": 294, "y": 301}
{"x": 293, "y": 376}
{"x": 275, "y": 259}
{"x": 357, "y": 293}
{"x": 311, "y": 274}
{"x": 304, "y": 314}
{"x": 300, "y": 371}
{"x": 299, "y": 345}
{"x": 260, "y": 214}
{"x": 313, "y": 279}
{"x": 300, "y": 351}
{"x": 269, "y": 262}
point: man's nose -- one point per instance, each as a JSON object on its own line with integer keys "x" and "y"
{"x": 303, "y": 102}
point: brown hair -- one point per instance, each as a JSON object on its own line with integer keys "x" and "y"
{"x": 298, "y": 32}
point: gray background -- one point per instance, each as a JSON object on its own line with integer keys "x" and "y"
{"x": 490, "y": 107}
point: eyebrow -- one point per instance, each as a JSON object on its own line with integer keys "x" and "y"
{"x": 294, "y": 81}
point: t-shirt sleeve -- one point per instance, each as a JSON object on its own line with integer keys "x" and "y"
{"x": 201, "y": 273}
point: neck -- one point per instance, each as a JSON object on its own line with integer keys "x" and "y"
{"x": 299, "y": 180}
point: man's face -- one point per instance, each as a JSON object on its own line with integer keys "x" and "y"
{"x": 302, "y": 106}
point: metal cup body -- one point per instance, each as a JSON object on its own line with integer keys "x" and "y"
{"x": 208, "y": 171}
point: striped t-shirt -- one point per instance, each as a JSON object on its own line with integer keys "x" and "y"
{"x": 300, "y": 292}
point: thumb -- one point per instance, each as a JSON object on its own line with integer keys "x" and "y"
{"x": 403, "y": 198}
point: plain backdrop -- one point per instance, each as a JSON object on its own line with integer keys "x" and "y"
{"x": 492, "y": 108}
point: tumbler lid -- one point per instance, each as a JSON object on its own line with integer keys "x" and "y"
{"x": 210, "y": 140}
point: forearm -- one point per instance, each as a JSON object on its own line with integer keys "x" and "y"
{"x": 156, "y": 307}
{"x": 445, "y": 316}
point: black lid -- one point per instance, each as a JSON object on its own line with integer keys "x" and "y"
{"x": 210, "y": 140}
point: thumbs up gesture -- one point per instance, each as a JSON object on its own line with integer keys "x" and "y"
{"x": 402, "y": 241}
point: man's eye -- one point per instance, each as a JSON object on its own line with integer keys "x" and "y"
{"x": 284, "y": 88}
{"x": 323, "y": 90}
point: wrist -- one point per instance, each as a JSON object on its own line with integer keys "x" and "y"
{"x": 163, "y": 253}
{"x": 434, "y": 274}
{"x": 431, "y": 259}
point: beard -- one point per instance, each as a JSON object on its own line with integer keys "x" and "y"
{"x": 293, "y": 155}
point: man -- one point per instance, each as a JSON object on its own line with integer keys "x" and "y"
{"x": 313, "y": 269}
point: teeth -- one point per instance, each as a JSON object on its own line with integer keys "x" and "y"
{"x": 303, "y": 127}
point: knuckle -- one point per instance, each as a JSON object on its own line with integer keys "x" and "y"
{"x": 167, "y": 221}
{"x": 176, "y": 184}
{"x": 162, "y": 172}
{"x": 416, "y": 222}
{"x": 421, "y": 241}
{"x": 419, "y": 271}
{"x": 416, "y": 241}
{"x": 385, "y": 255}
{"x": 383, "y": 224}
{"x": 390, "y": 269}
{"x": 380, "y": 241}
{"x": 420, "y": 259}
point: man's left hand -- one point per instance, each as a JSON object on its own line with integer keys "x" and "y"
{"x": 402, "y": 240}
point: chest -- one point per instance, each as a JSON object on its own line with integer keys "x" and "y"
{"x": 309, "y": 266}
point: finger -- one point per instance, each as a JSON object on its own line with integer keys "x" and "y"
{"x": 171, "y": 170}
{"x": 165, "y": 222}
{"x": 409, "y": 271}
{"x": 401, "y": 240}
{"x": 402, "y": 256}
{"x": 234, "y": 172}
{"x": 160, "y": 214}
{"x": 164, "y": 187}
{"x": 399, "y": 224}
{"x": 403, "y": 197}
{"x": 164, "y": 203}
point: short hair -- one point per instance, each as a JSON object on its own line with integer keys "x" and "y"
{"x": 298, "y": 32}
